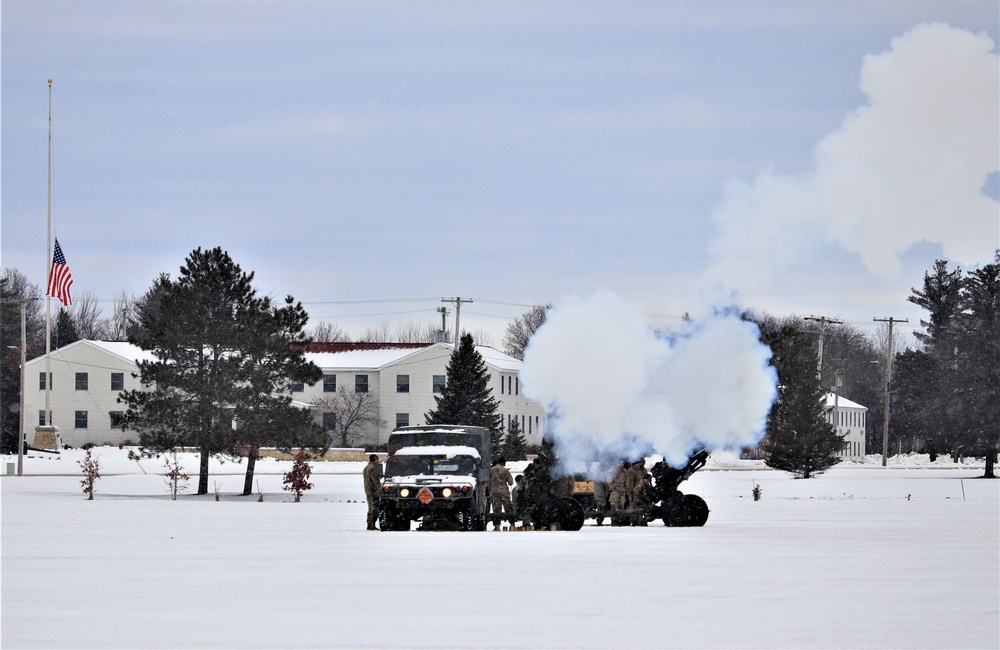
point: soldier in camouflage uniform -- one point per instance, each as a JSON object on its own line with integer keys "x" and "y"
{"x": 616, "y": 492}
{"x": 601, "y": 492}
{"x": 635, "y": 486}
{"x": 500, "y": 481}
{"x": 372, "y": 475}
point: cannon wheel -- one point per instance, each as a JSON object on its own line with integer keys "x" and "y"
{"x": 697, "y": 510}
{"x": 675, "y": 511}
{"x": 545, "y": 512}
{"x": 572, "y": 514}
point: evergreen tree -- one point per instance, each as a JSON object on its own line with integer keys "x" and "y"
{"x": 16, "y": 290}
{"x": 66, "y": 331}
{"x": 798, "y": 439}
{"x": 205, "y": 330}
{"x": 514, "y": 445}
{"x": 273, "y": 353}
{"x": 917, "y": 408}
{"x": 466, "y": 397}
{"x": 940, "y": 297}
{"x": 961, "y": 380}
{"x": 975, "y": 381}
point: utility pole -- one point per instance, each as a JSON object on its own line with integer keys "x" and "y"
{"x": 888, "y": 385}
{"x": 823, "y": 321}
{"x": 20, "y": 415}
{"x": 458, "y": 317}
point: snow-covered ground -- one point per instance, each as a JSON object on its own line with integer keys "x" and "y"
{"x": 863, "y": 556}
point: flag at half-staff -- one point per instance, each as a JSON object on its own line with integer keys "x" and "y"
{"x": 60, "y": 279}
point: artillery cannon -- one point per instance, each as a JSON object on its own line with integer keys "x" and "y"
{"x": 567, "y": 502}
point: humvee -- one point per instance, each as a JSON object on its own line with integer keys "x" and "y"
{"x": 438, "y": 475}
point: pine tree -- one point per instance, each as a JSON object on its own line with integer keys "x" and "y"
{"x": 973, "y": 386}
{"x": 221, "y": 354}
{"x": 273, "y": 353}
{"x": 799, "y": 439}
{"x": 961, "y": 382}
{"x": 66, "y": 331}
{"x": 466, "y": 397}
{"x": 514, "y": 444}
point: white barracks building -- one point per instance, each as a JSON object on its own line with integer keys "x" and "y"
{"x": 87, "y": 377}
{"x": 848, "y": 418}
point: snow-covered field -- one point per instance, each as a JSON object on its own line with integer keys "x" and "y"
{"x": 862, "y": 556}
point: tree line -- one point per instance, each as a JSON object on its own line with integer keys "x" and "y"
{"x": 226, "y": 354}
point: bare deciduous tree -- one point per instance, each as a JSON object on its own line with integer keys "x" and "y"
{"x": 380, "y": 333}
{"x": 483, "y": 337}
{"x": 356, "y": 418}
{"x": 408, "y": 332}
{"x": 123, "y": 313}
{"x": 330, "y": 333}
{"x": 87, "y": 316}
{"x": 520, "y": 330}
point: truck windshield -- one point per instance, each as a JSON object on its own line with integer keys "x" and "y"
{"x": 429, "y": 465}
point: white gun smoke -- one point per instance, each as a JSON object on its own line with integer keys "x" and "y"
{"x": 614, "y": 389}
{"x": 907, "y": 167}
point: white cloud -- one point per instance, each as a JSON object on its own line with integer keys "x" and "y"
{"x": 908, "y": 167}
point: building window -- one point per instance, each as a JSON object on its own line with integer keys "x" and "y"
{"x": 402, "y": 420}
{"x": 118, "y": 381}
{"x": 517, "y": 385}
{"x": 402, "y": 383}
{"x": 329, "y": 383}
{"x": 41, "y": 418}
{"x": 360, "y": 383}
{"x": 329, "y": 421}
{"x": 41, "y": 380}
{"x": 117, "y": 419}
{"x": 296, "y": 386}
{"x": 81, "y": 381}
{"x": 438, "y": 384}
{"x": 501, "y": 385}
{"x": 80, "y": 419}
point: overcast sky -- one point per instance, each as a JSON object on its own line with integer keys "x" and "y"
{"x": 372, "y": 158}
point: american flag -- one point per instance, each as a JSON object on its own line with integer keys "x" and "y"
{"x": 60, "y": 279}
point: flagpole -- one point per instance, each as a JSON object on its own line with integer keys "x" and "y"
{"x": 48, "y": 278}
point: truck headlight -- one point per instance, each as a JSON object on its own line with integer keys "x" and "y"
{"x": 446, "y": 492}
{"x": 404, "y": 492}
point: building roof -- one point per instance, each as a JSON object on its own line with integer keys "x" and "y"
{"x": 356, "y": 356}
{"x": 121, "y": 349}
{"x": 841, "y": 402}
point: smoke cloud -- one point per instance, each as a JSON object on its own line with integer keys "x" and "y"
{"x": 615, "y": 389}
{"x": 909, "y": 166}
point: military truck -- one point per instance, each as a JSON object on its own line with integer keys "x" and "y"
{"x": 438, "y": 475}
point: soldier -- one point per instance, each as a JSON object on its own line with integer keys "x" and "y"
{"x": 500, "y": 480}
{"x": 616, "y": 491}
{"x": 517, "y": 494}
{"x": 634, "y": 478}
{"x": 372, "y": 476}
{"x": 601, "y": 493}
